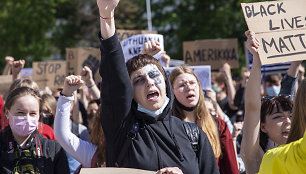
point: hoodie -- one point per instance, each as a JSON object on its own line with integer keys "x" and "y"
{"x": 160, "y": 141}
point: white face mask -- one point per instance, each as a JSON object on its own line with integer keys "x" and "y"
{"x": 23, "y": 125}
{"x": 273, "y": 90}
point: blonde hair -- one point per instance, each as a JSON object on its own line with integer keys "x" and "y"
{"x": 202, "y": 117}
{"x": 298, "y": 124}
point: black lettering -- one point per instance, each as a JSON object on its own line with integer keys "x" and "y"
{"x": 69, "y": 67}
{"x": 268, "y": 9}
{"x": 210, "y": 54}
{"x": 70, "y": 55}
{"x": 248, "y": 11}
{"x": 203, "y": 53}
{"x": 51, "y": 68}
{"x": 40, "y": 68}
{"x": 271, "y": 27}
{"x": 254, "y": 13}
{"x": 59, "y": 80}
{"x": 188, "y": 57}
{"x": 263, "y": 11}
{"x": 301, "y": 39}
{"x": 289, "y": 38}
{"x": 141, "y": 41}
{"x": 297, "y": 21}
{"x": 272, "y": 43}
{"x": 130, "y": 52}
{"x": 292, "y": 23}
{"x": 279, "y": 8}
{"x": 227, "y": 54}
{"x": 234, "y": 54}
{"x": 134, "y": 41}
{"x": 197, "y": 55}
{"x": 282, "y": 45}
{"x": 219, "y": 54}
{"x": 57, "y": 67}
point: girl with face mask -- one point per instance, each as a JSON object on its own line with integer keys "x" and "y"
{"x": 23, "y": 149}
{"x": 189, "y": 106}
{"x": 136, "y": 101}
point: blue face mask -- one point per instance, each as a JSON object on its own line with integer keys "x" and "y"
{"x": 273, "y": 90}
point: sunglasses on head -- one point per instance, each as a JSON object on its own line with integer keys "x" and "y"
{"x": 287, "y": 96}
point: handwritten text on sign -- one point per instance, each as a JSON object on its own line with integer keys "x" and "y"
{"x": 280, "y": 27}
{"x": 50, "y": 73}
{"x": 132, "y": 46}
{"x": 213, "y": 52}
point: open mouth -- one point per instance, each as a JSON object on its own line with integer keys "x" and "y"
{"x": 190, "y": 97}
{"x": 285, "y": 134}
{"x": 153, "y": 96}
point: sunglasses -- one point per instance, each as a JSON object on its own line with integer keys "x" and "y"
{"x": 265, "y": 98}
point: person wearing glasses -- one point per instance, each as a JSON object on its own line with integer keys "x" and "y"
{"x": 267, "y": 121}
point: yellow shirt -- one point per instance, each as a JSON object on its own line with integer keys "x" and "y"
{"x": 288, "y": 158}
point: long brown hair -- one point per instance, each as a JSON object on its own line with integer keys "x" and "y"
{"x": 97, "y": 138}
{"x": 298, "y": 124}
{"x": 202, "y": 117}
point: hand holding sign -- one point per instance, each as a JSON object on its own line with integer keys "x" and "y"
{"x": 9, "y": 60}
{"x": 151, "y": 47}
{"x": 252, "y": 42}
{"x": 71, "y": 84}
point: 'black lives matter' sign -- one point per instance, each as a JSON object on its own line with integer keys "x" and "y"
{"x": 213, "y": 52}
{"x": 280, "y": 27}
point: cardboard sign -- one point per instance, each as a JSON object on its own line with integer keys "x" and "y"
{"x": 77, "y": 58}
{"x": 266, "y": 69}
{"x": 123, "y": 34}
{"x": 110, "y": 170}
{"x": 132, "y": 46}
{"x": 49, "y": 73}
{"x": 203, "y": 73}
{"x": 214, "y": 52}
{"x": 280, "y": 26}
{"x": 6, "y": 81}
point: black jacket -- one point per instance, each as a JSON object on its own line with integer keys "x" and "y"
{"x": 160, "y": 142}
{"x": 52, "y": 158}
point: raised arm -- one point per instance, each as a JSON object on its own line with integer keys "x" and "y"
{"x": 250, "y": 148}
{"x": 86, "y": 74}
{"x": 81, "y": 150}
{"x": 226, "y": 70}
{"x": 289, "y": 80}
{"x": 116, "y": 88}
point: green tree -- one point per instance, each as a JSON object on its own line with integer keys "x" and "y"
{"x": 187, "y": 20}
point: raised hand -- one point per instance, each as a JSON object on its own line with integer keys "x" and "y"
{"x": 17, "y": 66}
{"x": 170, "y": 170}
{"x": 165, "y": 58}
{"x": 107, "y": 6}
{"x": 226, "y": 69}
{"x": 9, "y": 60}
{"x": 252, "y": 42}
{"x": 86, "y": 75}
{"x": 71, "y": 84}
{"x": 151, "y": 47}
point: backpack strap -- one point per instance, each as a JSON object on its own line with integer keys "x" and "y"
{"x": 131, "y": 135}
{"x": 193, "y": 132}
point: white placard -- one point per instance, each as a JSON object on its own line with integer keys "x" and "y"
{"x": 132, "y": 46}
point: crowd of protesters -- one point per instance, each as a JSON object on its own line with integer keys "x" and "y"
{"x": 138, "y": 117}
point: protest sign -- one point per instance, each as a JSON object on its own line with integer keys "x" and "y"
{"x": 49, "y": 73}
{"x": 203, "y": 72}
{"x": 266, "y": 69}
{"x": 77, "y": 58}
{"x": 6, "y": 81}
{"x": 123, "y": 34}
{"x": 111, "y": 170}
{"x": 132, "y": 46}
{"x": 26, "y": 73}
{"x": 280, "y": 26}
{"x": 214, "y": 52}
